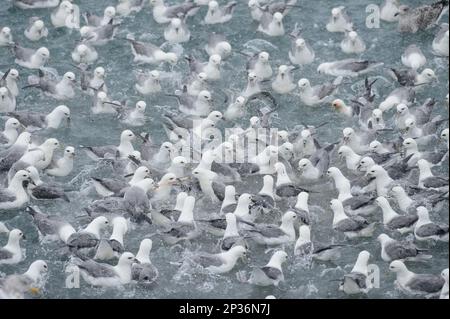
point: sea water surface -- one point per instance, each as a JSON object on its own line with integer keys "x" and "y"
{"x": 384, "y": 44}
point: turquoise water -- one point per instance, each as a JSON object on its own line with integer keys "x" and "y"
{"x": 383, "y": 44}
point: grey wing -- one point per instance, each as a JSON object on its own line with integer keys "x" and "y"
{"x": 207, "y": 260}
{"x": 229, "y": 242}
{"x": 146, "y": 49}
{"x": 49, "y": 192}
{"x": 6, "y": 196}
{"x": 272, "y": 273}
{"x": 5, "y": 254}
{"x": 426, "y": 283}
{"x": 181, "y": 10}
{"x": 403, "y": 221}
{"x": 348, "y": 225}
{"x": 359, "y": 201}
{"x": 97, "y": 270}
{"x": 115, "y": 185}
{"x": 92, "y": 19}
{"x": 219, "y": 190}
{"x": 441, "y": 33}
{"x": 354, "y": 65}
{"x": 29, "y": 118}
{"x": 106, "y": 32}
{"x": 146, "y": 273}
{"x": 423, "y": 113}
{"x": 82, "y": 240}
{"x": 358, "y": 278}
{"x": 229, "y": 7}
{"x": 324, "y": 90}
{"x": 435, "y": 182}
{"x": 270, "y": 231}
{"x": 266, "y": 19}
{"x": 23, "y": 54}
{"x": 431, "y": 229}
{"x": 102, "y": 151}
{"x": 397, "y": 250}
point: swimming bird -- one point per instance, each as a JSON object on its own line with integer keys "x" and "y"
{"x": 382, "y": 179}
{"x": 63, "y": 89}
{"x": 148, "y": 83}
{"x": 108, "y": 14}
{"x": 355, "y": 226}
{"x": 220, "y": 263}
{"x": 348, "y": 67}
{"x": 426, "y": 177}
{"x": 231, "y": 236}
{"x": 163, "y": 13}
{"x": 305, "y": 247}
{"x": 35, "y": 121}
{"x": 416, "y": 283}
{"x": 88, "y": 237}
{"x": 218, "y": 44}
{"x": 15, "y": 196}
{"x": 124, "y": 149}
{"x": 12, "y": 252}
{"x": 301, "y": 53}
{"x": 36, "y": 30}
{"x": 312, "y": 95}
{"x": 210, "y": 68}
{"x": 66, "y": 15}
{"x": 353, "y": 43}
{"x": 341, "y": 183}
{"x": 114, "y": 246}
{"x": 272, "y": 235}
{"x": 35, "y": 4}
{"x": 98, "y": 36}
{"x": 144, "y": 271}
{"x": 392, "y": 249}
{"x": 177, "y": 31}
{"x": 440, "y": 42}
{"x": 30, "y": 58}
{"x": 270, "y": 274}
{"x": 7, "y": 100}
{"x": 84, "y": 53}
{"x": 10, "y": 78}
{"x": 259, "y": 65}
{"x": 6, "y": 37}
{"x": 185, "y": 227}
{"x": 62, "y": 166}
{"x": 357, "y": 280}
{"x": 217, "y": 14}
{"x": 420, "y": 18}
{"x": 151, "y": 54}
{"x": 339, "y": 21}
{"x": 105, "y": 275}
{"x": 284, "y": 187}
{"x": 271, "y": 24}
{"x": 17, "y": 285}
{"x": 394, "y": 221}
{"x": 283, "y": 83}
{"x": 351, "y": 158}
{"x": 425, "y": 229}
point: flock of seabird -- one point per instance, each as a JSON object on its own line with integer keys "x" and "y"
{"x": 381, "y": 169}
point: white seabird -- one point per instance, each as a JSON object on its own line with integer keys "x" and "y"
{"x": 425, "y": 229}
{"x": 270, "y": 274}
{"x": 394, "y": 221}
{"x": 339, "y": 21}
{"x": 356, "y": 281}
{"x": 144, "y": 271}
{"x": 220, "y": 263}
{"x": 392, "y": 249}
{"x": 352, "y": 227}
{"x": 30, "y": 58}
{"x": 12, "y": 252}
{"x": 101, "y": 274}
{"x": 36, "y": 30}
{"x": 416, "y": 283}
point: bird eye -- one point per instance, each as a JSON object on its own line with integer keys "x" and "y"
{"x": 45, "y": 267}
{"x": 24, "y": 175}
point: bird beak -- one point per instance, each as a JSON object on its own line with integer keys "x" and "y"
{"x": 129, "y": 175}
{"x": 396, "y": 14}
{"x": 346, "y": 139}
